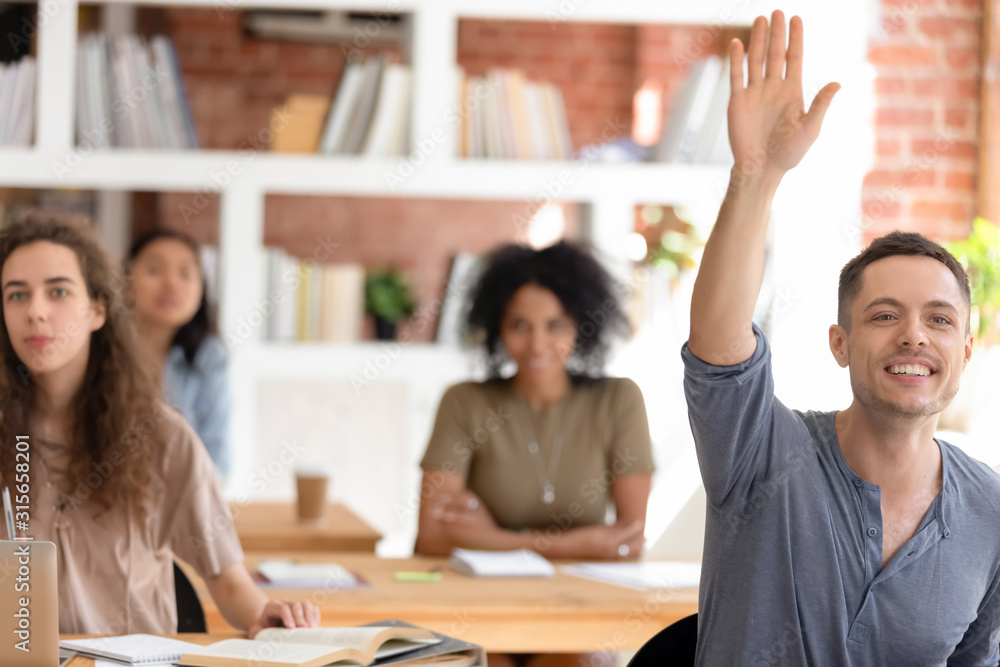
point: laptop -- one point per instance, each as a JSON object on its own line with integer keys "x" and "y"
{"x": 29, "y": 604}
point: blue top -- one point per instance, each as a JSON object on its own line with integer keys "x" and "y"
{"x": 792, "y": 570}
{"x": 200, "y": 392}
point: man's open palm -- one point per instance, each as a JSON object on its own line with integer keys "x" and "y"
{"x": 769, "y": 129}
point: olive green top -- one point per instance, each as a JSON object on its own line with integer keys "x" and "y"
{"x": 481, "y": 434}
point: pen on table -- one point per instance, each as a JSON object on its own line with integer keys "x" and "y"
{"x": 8, "y": 513}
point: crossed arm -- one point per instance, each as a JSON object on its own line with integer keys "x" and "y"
{"x": 453, "y": 516}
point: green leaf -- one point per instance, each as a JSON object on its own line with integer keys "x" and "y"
{"x": 388, "y": 295}
{"x": 980, "y": 255}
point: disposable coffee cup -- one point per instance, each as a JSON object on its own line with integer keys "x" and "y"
{"x": 311, "y": 488}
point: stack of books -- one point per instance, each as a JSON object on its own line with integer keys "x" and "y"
{"x": 131, "y": 94}
{"x": 17, "y": 102}
{"x": 308, "y": 301}
{"x": 506, "y": 116}
{"x": 369, "y": 113}
{"x": 465, "y": 271}
{"x": 695, "y": 130}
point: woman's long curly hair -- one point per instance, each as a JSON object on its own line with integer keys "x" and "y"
{"x": 584, "y": 288}
{"x": 118, "y": 406}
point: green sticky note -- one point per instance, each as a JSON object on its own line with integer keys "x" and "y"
{"x": 418, "y": 576}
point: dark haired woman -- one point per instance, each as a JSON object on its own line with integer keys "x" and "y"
{"x": 536, "y": 459}
{"x": 119, "y": 482}
{"x": 171, "y": 308}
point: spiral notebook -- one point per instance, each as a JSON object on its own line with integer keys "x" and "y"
{"x": 132, "y": 649}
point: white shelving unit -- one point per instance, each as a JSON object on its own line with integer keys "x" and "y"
{"x": 836, "y": 49}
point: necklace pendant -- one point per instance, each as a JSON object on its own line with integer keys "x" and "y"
{"x": 549, "y": 495}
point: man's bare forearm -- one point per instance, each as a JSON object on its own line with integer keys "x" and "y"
{"x": 769, "y": 132}
{"x": 731, "y": 271}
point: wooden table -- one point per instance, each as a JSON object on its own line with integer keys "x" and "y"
{"x": 561, "y": 614}
{"x": 274, "y": 527}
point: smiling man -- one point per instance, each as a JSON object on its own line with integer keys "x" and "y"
{"x": 840, "y": 538}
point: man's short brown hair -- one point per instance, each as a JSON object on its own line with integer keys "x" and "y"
{"x": 890, "y": 245}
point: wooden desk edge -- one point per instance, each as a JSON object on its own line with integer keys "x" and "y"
{"x": 570, "y": 629}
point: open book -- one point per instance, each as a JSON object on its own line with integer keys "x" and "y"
{"x": 314, "y": 647}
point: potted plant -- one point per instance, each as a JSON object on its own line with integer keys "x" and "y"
{"x": 388, "y": 298}
{"x": 980, "y": 255}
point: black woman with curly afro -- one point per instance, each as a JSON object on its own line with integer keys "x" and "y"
{"x": 536, "y": 458}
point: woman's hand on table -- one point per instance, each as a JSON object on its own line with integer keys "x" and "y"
{"x": 464, "y": 517}
{"x": 277, "y": 614}
{"x": 614, "y": 542}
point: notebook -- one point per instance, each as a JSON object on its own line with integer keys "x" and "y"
{"x": 29, "y": 604}
{"x": 642, "y": 576}
{"x": 288, "y": 574}
{"x": 132, "y": 649}
{"x": 519, "y": 563}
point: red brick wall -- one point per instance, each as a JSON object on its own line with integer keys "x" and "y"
{"x": 234, "y": 82}
{"x": 664, "y": 53}
{"x": 926, "y": 55}
{"x": 598, "y": 67}
{"x": 593, "y": 64}
{"x": 418, "y": 235}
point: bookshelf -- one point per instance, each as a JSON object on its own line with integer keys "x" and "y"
{"x": 609, "y": 192}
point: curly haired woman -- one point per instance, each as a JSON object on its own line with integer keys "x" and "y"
{"x": 118, "y": 481}
{"x": 535, "y": 459}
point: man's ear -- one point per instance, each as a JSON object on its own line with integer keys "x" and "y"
{"x": 969, "y": 340}
{"x": 838, "y": 344}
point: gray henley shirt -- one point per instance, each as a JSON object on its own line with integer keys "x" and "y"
{"x": 792, "y": 571}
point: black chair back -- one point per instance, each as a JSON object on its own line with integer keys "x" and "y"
{"x": 190, "y": 615}
{"x": 674, "y": 646}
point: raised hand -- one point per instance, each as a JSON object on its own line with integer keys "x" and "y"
{"x": 769, "y": 128}
{"x": 769, "y": 131}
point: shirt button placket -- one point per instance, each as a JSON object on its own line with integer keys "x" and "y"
{"x": 871, "y": 515}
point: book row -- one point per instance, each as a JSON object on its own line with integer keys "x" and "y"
{"x": 131, "y": 94}
{"x": 17, "y": 102}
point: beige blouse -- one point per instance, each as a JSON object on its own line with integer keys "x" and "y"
{"x": 115, "y": 571}
{"x": 481, "y": 434}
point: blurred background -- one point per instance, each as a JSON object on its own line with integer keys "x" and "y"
{"x": 346, "y": 164}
